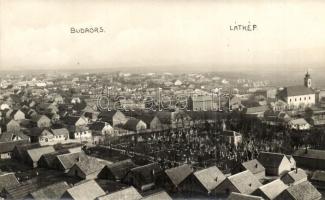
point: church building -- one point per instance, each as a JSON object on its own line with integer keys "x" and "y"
{"x": 299, "y": 96}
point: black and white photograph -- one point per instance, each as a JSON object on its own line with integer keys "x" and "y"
{"x": 162, "y": 100}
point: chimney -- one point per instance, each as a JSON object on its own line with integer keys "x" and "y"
{"x": 296, "y": 170}
{"x": 306, "y": 150}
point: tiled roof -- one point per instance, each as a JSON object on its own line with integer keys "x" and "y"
{"x": 210, "y": 177}
{"x": 6, "y": 147}
{"x": 86, "y": 190}
{"x": 131, "y": 124}
{"x": 272, "y": 189}
{"x": 303, "y": 191}
{"x": 297, "y": 175}
{"x": 35, "y": 154}
{"x": 254, "y": 166}
{"x": 245, "y": 182}
{"x": 54, "y": 191}
{"x": 310, "y": 153}
{"x": 238, "y": 196}
{"x": 318, "y": 176}
{"x": 68, "y": 160}
{"x": 10, "y": 136}
{"x": 270, "y": 159}
{"x": 89, "y": 165}
{"x": 121, "y": 168}
{"x": 60, "y": 131}
{"x": 297, "y": 91}
{"x": 178, "y": 174}
{"x": 300, "y": 121}
{"x": 162, "y": 195}
{"x": 8, "y": 180}
{"x": 129, "y": 193}
{"x": 145, "y": 172}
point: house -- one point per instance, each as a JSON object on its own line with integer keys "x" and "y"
{"x": 301, "y": 191}
{"x": 64, "y": 162}
{"x": 239, "y": 196}
{"x": 8, "y": 180}
{"x": 318, "y": 179}
{"x": 299, "y": 96}
{"x": 149, "y": 118}
{"x": 279, "y": 105}
{"x": 20, "y": 151}
{"x": 113, "y": 117}
{"x": 78, "y": 127}
{"x": 271, "y": 190}
{"x": 275, "y": 163}
{"x": 20, "y": 191}
{"x": 143, "y": 177}
{"x": 244, "y": 182}
{"x": 117, "y": 171}
{"x": 4, "y": 106}
{"x": 7, "y": 148}
{"x": 294, "y": 177}
{"x": 101, "y": 131}
{"x": 13, "y": 126}
{"x": 47, "y": 160}
{"x": 292, "y": 161}
{"x": 86, "y": 168}
{"x": 75, "y": 120}
{"x": 33, "y": 155}
{"x": 175, "y": 176}
{"x": 310, "y": 158}
{"x": 31, "y": 114}
{"x": 60, "y": 134}
{"x": 53, "y": 136}
{"x": 299, "y": 124}
{"x": 317, "y": 120}
{"x": 42, "y": 121}
{"x": 174, "y": 119}
{"x": 234, "y": 103}
{"x": 162, "y": 195}
{"x": 84, "y": 190}
{"x": 203, "y": 181}
{"x": 54, "y": 192}
{"x": 155, "y": 124}
{"x": 201, "y": 102}
{"x": 129, "y": 193}
{"x": 101, "y": 128}
{"x": 256, "y": 111}
{"x": 17, "y": 115}
{"x": 133, "y": 124}
{"x": 58, "y": 99}
{"x": 12, "y": 136}
{"x": 253, "y": 166}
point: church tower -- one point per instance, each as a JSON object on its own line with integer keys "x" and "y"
{"x": 307, "y": 80}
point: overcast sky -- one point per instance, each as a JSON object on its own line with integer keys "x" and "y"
{"x": 35, "y": 34}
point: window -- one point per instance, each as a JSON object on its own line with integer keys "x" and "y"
{"x": 309, "y": 98}
{"x": 295, "y": 99}
{"x": 305, "y": 98}
{"x": 300, "y": 98}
